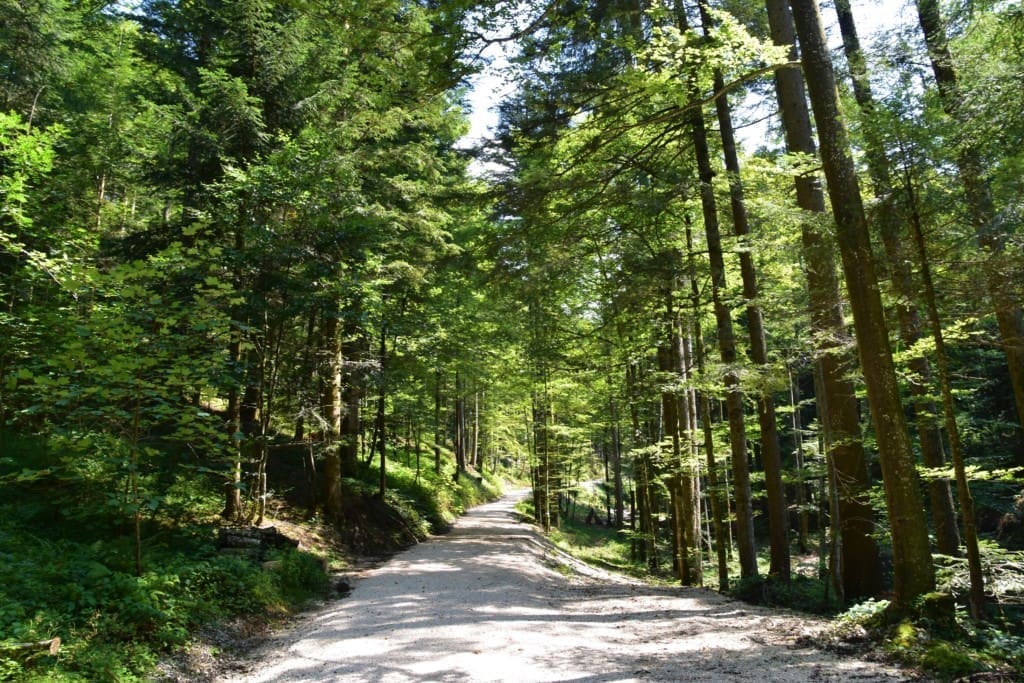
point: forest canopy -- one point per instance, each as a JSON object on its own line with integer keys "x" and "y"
{"x": 247, "y": 259}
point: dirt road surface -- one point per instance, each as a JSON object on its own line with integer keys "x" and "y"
{"x": 494, "y": 601}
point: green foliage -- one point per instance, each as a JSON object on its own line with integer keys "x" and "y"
{"x": 427, "y": 501}
{"x": 67, "y": 570}
{"x": 300, "y": 576}
{"x": 599, "y": 545}
{"x": 944, "y": 654}
{"x": 803, "y": 593}
{"x": 111, "y": 621}
{"x": 949, "y": 660}
{"x": 868, "y": 613}
{"x": 691, "y": 55}
{"x": 915, "y": 645}
{"x": 1001, "y": 647}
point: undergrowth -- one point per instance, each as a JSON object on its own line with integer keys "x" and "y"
{"x": 67, "y": 564}
{"x": 943, "y": 652}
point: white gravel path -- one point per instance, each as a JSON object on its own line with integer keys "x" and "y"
{"x": 487, "y": 602}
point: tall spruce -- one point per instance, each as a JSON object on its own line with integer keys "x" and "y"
{"x": 914, "y": 574}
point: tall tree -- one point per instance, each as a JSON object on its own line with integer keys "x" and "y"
{"x": 980, "y": 205}
{"x": 887, "y": 219}
{"x": 771, "y": 455}
{"x": 914, "y": 574}
{"x": 724, "y": 329}
{"x": 835, "y": 392}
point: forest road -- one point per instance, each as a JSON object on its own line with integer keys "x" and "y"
{"x": 494, "y": 601}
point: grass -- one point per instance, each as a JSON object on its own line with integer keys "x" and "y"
{"x": 598, "y": 545}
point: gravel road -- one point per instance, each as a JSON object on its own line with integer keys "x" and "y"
{"x": 494, "y": 601}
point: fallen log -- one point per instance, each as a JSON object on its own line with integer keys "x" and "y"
{"x": 252, "y": 540}
{"x": 51, "y": 646}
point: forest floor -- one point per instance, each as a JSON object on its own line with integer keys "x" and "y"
{"x": 494, "y": 600}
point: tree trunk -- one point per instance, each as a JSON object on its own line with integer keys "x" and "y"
{"x": 887, "y": 220}
{"x": 438, "y": 427}
{"x": 672, "y": 420}
{"x": 308, "y": 374}
{"x": 718, "y": 502}
{"x": 771, "y": 456}
{"x": 460, "y": 427}
{"x": 677, "y": 418}
{"x": 690, "y": 493}
{"x": 418, "y": 446}
{"x": 798, "y": 451}
{"x": 475, "y": 451}
{"x": 727, "y": 351}
{"x": 1005, "y": 296}
{"x": 642, "y": 512}
{"x": 233, "y": 488}
{"x": 381, "y": 407}
{"x": 354, "y": 351}
{"x": 963, "y": 489}
{"x": 620, "y": 508}
{"x": 836, "y": 395}
{"x": 330, "y": 410}
{"x": 725, "y": 334}
{"x": 914, "y": 574}
{"x": 541, "y": 440}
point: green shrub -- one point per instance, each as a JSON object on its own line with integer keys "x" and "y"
{"x": 948, "y": 661}
{"x": 300, "y": 576}
{"x": 10, "y": 669}
{"x": 103, "y": 661}
{"x": 228, "y": 585}
{"x": 868, "y": 613}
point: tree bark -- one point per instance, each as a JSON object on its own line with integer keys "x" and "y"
{"x": 460, "y": 427}
{"x": 718, "y": 502}
{"x": 438, "y": 427}
{"x": 836, "y": 395}
{"x": 725, "y": 334}
{"x": 680, "y": 480}
{"x": 887, "y": 221}
{"x": 354, "y": 351}
{"x": 381, "y": 408}
{"x": 771, "y": 456}
{"x": 682, "y": 446}
{"x": 233, "y": 487}
{"x": 547, "y": 513}
{"x": 330, "y": 410}
{"x": 963, "y": 489}
{"x": 913, "y": 571}
{"x": 620, "y": 508}
{"x": 475, "y": 451}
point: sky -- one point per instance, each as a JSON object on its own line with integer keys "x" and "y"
{"x": 490, "y": 87}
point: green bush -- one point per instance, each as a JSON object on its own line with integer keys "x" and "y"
{"x": 300, "y": 576}
{"x": 949, "y": 661}
{"x": 56, "y": 581}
